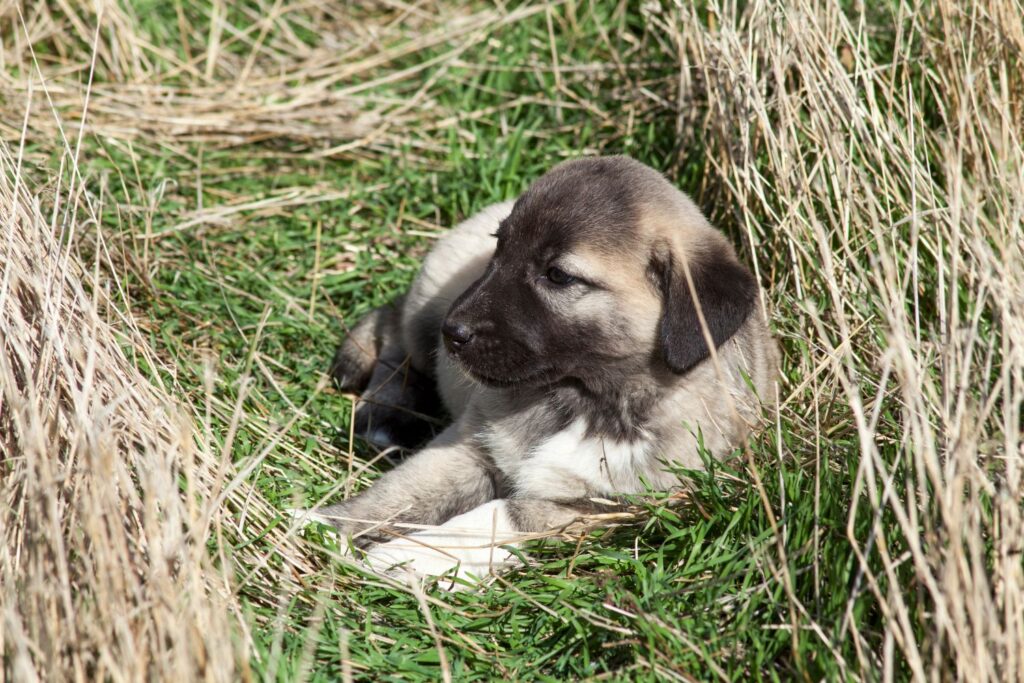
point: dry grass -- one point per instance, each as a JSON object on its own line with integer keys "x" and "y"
{"x": 899, "y": 244}
{"x": 119, "y": 509}
{"x": 257, "y": 83}
{"x": 882, "y": 200}
{"x": 104, "y": 572}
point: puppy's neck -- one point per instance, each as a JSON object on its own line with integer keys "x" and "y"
{"x": 620, "y": 407}
{"x": 619, "y": 410}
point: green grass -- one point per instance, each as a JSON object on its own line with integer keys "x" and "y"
{"x": 691, "y": 591}
{"x": 740, "y": 580}
{"x": 694, "y": 591}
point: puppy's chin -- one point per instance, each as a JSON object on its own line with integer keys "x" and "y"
{"x": 506, "y": 379}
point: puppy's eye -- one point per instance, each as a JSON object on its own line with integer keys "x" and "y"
{"x": 559, "y": 277}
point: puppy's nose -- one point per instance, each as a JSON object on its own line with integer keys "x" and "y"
{"x": 456, "y": 335}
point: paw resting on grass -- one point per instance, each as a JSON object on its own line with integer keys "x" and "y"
{"x": 466, "y": 549}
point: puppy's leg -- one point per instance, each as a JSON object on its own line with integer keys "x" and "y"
{"x": 536, "y": 515}
{"x": 399, "y": 403}
{"x": 473, "y": 544}
{"x": 447, "y": 478}
{"x": 357, "y": 356}
{"x": 478, "y": 542}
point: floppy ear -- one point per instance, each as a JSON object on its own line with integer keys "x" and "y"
{"x": 726, "y": 291}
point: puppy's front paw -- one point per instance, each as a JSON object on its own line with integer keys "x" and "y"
{"x": 465, "y": 547}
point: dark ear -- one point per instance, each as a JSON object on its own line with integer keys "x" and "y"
{"x": 726, "y": 290}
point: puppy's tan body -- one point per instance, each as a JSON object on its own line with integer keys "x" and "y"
{"x": 572, "y": 352}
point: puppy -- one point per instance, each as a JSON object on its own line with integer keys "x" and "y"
{"x": 583, "y": 338}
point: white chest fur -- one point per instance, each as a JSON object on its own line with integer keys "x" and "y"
{"x": 571, "y": 464}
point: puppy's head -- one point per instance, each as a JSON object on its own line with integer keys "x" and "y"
{"x": 602, "y": 270}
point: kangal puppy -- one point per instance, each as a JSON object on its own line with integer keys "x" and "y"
{"x": 581, "y": 337}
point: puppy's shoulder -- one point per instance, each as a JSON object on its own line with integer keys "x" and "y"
{"x": 468, "y": 241}
{"x": 724, "y": 401}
